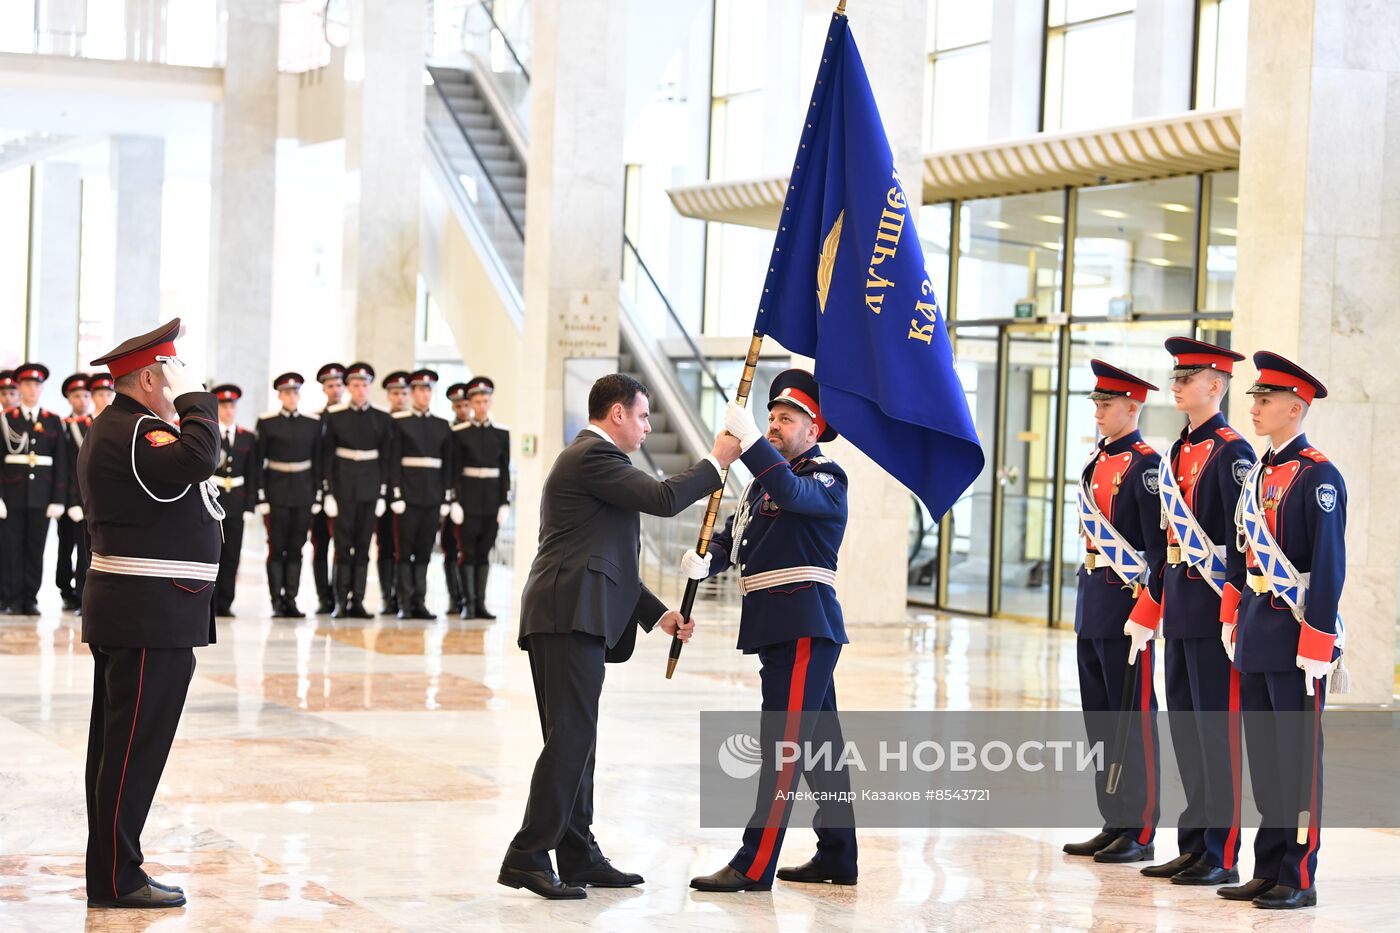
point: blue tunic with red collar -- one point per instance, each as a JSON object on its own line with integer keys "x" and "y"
{"x": 797, "y": 519}
{"x": 1210, "y": 464}
{"x": 1305, "y": 504}
{"x": 1122, "y": 476}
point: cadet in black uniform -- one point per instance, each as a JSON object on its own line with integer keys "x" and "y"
{"x": 420, "y": 475}
{"x": 385, "y": 545}
{"x": 9, "y": 392}
{"x": 481, "y": 465}
{"x": 101, "y": 387}
{"x": 237, "y": 477}
{"x": 288, "y": 458}
{"x": 332, "y": 379}
{"x": 72, "y": 536}
{"x": 34, "y": 478}
{"x": 154, "y": 520}
{"x": 452, "y": 530}
{"x": 355, "y": 450}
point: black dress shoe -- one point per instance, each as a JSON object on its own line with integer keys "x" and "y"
{"x": 29, "y": 609}
{"x": 1247, "y": 891}
{"x": 173, "y": 888}
{"x": 727, "y": 879}
{"x": 1282, "y": 897}
{"x": 1124, "y": 849}
{"x": 1089, "y": 847}
{"x": 1204, "y": 873}
{"x": 1176, "y": 865}
{"x": 151, "y": 895}
{"x": 70, "y": 601}
{"x": 545, "y": 883}
{"x": 604, "y": 876}
{"x": 812, "y": 873}
{"x": 325, "y": 608}
{"x": 357, "y": 611}
{"x": 290, "y": 611}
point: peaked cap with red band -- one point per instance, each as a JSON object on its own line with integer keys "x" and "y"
{"x": 1112, "y": 382}
{"x": 139, "y": 352}
{"x": 798, "y": 388}
{"x": 228, "y": 392}
{"x": 99, "y": 381}
{"x": 1191, "y": 356}
{"x": 77, "y": 381}
{"x": 36, "y": 371}
{"x": 1277, "y": 374}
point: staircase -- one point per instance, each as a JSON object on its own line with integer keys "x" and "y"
{"x": 663, "y": 449}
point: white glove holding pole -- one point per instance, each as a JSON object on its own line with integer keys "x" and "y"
{"x": 263, "y": 508}
{"x": 738, "y": 421}
{"x": 502, "y": 514}
{"x": 1315, "y": 671}
{"x": 444, "y": 510}
{"x": 379, "y": 507}
{"x": 694, "y": 566}
{"x": 456, "y": 514}
{"x": 4, "y": 513}
{"x": 1227, "y": 638}
{"x": 178, "y": 379}
{"x": 332, "y": 507}
{"x": 55, "y": 510}
{"x": 398, "y": 507}
{"x": 1140, "y": 634}
{"x": 75, "y": 513}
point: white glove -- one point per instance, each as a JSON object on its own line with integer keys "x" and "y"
{"x": 1314, "y": 671}
{"x": 502, "y": 514}
{"x": 75, "y": 513}
{"x": 398, "y": 507}
{"x": 4, "y": 513}
{"x": 315, "y": 508}
{"x": 694, "y": 566}
{"x": 1227, "y": 638}
{"x": 458, "y": 516}
{"x": 738, "y": 420}
{"x": 55, "y": 510}
{"x": 1140, "y": 634}
{"x": 178, "y": 379}
{"x": 332, "y": 507}
{"x": 379, "y": 507}
{"x": 263, "y": 508}
{"x": 443, "y": 510}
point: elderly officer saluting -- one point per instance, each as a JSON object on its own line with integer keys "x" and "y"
{"x": 33, "y": 487}
{"x": 421, "y": 477}
{"x": 783, "y": 540}
{"x": 237, "y": 478}
{"x": 482, "y": 459}
{"x": 1200, "y": 485}
{"x": 1284, "y": 635}
{"x": 154, "y": 519}
{"x": 1119, "y": 604}
{"x": 288, "y": 457}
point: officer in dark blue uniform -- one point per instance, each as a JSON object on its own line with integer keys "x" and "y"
{"x": 237, "y": 478}
{"x": 783, "y": 541}
{"x": 331, "y": 376}
{"x": 33, "y": 488}
{"x": 1200, "y": 489}
{"x": 1115, "y": 616}
{"x": 71, "y": 567}
{"x": 1292, "y": 520}
{"x": 287, "y": 458}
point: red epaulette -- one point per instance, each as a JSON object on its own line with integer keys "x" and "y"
{"x": 44, "y": 413}
{"x": 1312, "y": 453}
{"x": 11, "y": 411}
{"x": 1143, "y": 448}
{"x": 1227, "y": 434}
{"x": 70, "y": 419}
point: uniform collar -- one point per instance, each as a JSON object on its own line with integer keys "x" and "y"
{"x": 1212, "y": 424}
{"x": 353, "y": 407}
{"x": 1290, "y": 448}
{"x": 29, "y": 414}
{"x": 1123, "y": 443}
{"x": 487, "y": 423}
{"x": 129, "y": 404}
{"x": 421, "y": 414}
{"x": 808, "y": 454}
{"x": 289, "y": 412}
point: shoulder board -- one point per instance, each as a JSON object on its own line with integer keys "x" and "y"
{"x": 242, "y": 430}
{"x": 1143, "y": 448}
{"x": 335, "y": 408}
{"x": 461, "y": 425}
{"x": 12, "y": 411}
{"x": 1227, "y": 433}
{"x": 313, "y": 415}
{"x": 71, "y": 419}
{"x": 269, "y": 414}
{"x": 820, "y": 460}
{"x": 45, "y": 413}
{"x": 399, "y": 414}
{"x": 380, "y": 408}
{"x": 500, "y": 427}
{"x": 1312, "y": 453}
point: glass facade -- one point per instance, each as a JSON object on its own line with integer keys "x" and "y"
{"x": 1088, "y": 63}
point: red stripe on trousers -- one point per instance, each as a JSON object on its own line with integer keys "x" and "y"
{"x": 1236, "y": 771}
{"x": 1148, "y": 752}
{"x": 791, "y": 731}
{"x": 140, "y": 680}
{"x": 1313, "y": 827}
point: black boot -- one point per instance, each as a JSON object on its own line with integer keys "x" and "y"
{"x": 340, "y": 573}
{"x": 389, "y": 588}
{"x": 454, "y": 584}
{"x": 420, "y": 593}
{"x": 291, "y": 584}
{"x": 482, "y": 572}
{"x": 468, "y": 590}
{"x": 355, "y": 609}
{"x": 275, "y": 582}
{"x": 403, "y": 590}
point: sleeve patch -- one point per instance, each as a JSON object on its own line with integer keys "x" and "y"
{"x": 1151, "y": 479}
{"x": 1240, "y": 470}
{"x": 160, "y": 438}
{"x": 1327, "y": 497}
{"x": 826, "y": 479}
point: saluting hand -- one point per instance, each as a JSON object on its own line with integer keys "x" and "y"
{"x": 672, "y": 625}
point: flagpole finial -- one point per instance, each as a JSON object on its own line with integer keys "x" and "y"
{"x": 840, "y": 7}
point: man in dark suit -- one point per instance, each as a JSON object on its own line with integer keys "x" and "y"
{"x": 581, "y": 605}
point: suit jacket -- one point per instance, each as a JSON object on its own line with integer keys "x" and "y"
{"x": 585, "y": 576}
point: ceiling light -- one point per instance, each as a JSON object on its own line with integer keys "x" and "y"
{"x": 1175, "y": 208}
{"x": 1169, "y": 237}
{"x": 1227, "y": 231}
{"x": 998, "y": 225}
{"x": 1049, "y": 218}
{"x": 1158, "y": 261}
{"x": 1116, "y": 215}
{"x": 1232, "y": 199}
{"x": 1051, "y": 245}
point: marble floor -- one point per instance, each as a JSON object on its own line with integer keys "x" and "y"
{"x": 368, "y": 776}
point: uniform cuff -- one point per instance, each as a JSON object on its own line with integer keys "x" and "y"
{"x": 1147, "y": 612}
{"x": 1315, "y": 645}
{"x": 1229, "y": 604}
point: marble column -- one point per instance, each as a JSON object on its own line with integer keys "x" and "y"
{"x": 138, "y": 180}
{"x": 384, "y": 98}
{"x": 1319, "y": 233}
{"x": 1017, "y": 44}
{"x": 56, "y": 223}
{"x": 1163, "y": 51}
{"x": 243, "y": 182}
{"x": 573, "y": 213}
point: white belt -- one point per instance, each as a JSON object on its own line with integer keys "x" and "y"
{"x": 772, "y": 578}
{"x": 154, "y": 567}
{"x": 429, "y": 463}
{"x": 32, "y": 460}
{"x": 481, "y": 472}
{"x": 284, "y": 466}
{"x": 352, "y": 453}
{"x": 229, "y": 483}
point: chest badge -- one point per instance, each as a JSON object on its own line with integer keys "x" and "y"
{"x": 160, "y": 438}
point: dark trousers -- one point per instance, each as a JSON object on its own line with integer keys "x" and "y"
{"x": 351, "y": 530}
{"x": 568, "y": 675}
{"x": 415, "y": 530}
{"x": 1203, "y": 697}
{"x": 385, "y": 553}
{"x": 70, "y": 555}
{"x": 1276, "y": 742}
{"x": 478, "y": 537}
{"x": 22, "y": 539}
{"x": 229, "y": 555}
{"x": 1103, "y": 663}
{"x": 797, "y": 677}
{"x": 450, "y": 572}
{"x": 137, "y": 697}
{"x": 321, "y": 556}
{"x": 286, "y": 537}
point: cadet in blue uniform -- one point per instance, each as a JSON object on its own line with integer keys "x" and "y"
{"x": 287, "y": 461}
{"x": 386, "y": 545}
{"x": 33, "y": 488}
{"x": 420, "y": 476}
{"x": 154, "y": 520}
{"x": 481, "y": 463}
{"x": 332, "y": 379}
{"x": 1115, "y": 616}
{"x": 237, "y": 478}
{"x": 71, "y": 565}
{"x": 783, "y": 541}
{"x": 1292, "y": 521}
{"x": 355, "y": 450}
{"x": 1200, "y": 486}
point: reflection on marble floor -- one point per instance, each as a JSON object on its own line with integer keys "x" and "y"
{"x": 368, "y": 776}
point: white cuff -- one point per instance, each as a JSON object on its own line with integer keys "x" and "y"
{"x": 719, "y": 470}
